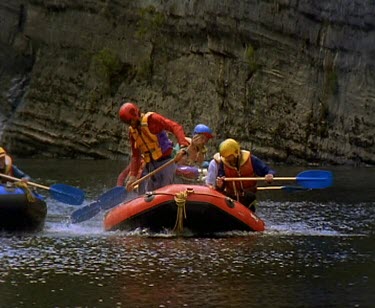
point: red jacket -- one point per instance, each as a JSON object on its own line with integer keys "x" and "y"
{"x": 156, "y": 124}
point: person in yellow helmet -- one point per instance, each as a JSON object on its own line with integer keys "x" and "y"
{"x": 7, "y": 168}
{"x": 233, "y": 162}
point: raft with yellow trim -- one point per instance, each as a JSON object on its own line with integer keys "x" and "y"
{"x": 21, "y": 210}
{"x": 181, "y": 207}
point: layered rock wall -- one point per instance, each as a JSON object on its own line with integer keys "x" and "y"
{"x": 291, "y": 80}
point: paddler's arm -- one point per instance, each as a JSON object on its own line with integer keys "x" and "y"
{"x": 122, "y": 176}
{"x": 212, "y": 174}
{"x": 18, "y": 173}
{"x": 158, "y": 123}
{"x": 135, "y": 164}
{"x": 262, "y": 169}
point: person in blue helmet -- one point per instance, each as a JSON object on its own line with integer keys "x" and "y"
{"x": 189, "y": 167}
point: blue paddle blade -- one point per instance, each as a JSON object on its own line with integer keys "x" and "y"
{"x": 67, "y": 194}
{"x": 112, "y": 197}
{"x": 107, "y": 200}
{"x": 85, "y": 213}
{"x": 315, "y": 179}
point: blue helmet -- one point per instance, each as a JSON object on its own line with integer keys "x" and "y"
{"x": 203, "y": 129}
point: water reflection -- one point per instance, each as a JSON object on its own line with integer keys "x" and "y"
{"x": 311, "y": 218}
{"x": 317, "y": 251}
{"x": 137, "y": 271}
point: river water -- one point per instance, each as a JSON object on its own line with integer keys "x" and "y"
{"x": 317, "y": 251}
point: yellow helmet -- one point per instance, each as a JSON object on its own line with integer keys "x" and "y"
{"x": 229, "y": 147}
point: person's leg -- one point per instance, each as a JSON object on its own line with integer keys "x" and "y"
{"x": 249, "y": 200}
{"x": 142, "y": 187}
{"x": 163, "y": 177}
{"x": 166, "y": 176}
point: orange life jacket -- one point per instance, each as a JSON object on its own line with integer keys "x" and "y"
{"x": 145, "y": 141}
{"x": 238, "y": 188}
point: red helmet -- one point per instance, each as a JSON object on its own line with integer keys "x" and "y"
{"x": 128, "y": 112}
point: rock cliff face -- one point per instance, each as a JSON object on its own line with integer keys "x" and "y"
{"x": 292, "y": 80}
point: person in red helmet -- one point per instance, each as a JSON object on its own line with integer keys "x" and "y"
{"x": 150, "y": 145}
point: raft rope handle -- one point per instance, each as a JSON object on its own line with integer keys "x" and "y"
{"x": 29, "y": 195}
{"x": 180, "y": 199}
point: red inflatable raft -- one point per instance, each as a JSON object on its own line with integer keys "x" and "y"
{"x": 199, "y": 209}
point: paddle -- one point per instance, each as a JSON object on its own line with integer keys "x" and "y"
{"x": 85, "y": 213}
{"x": 307, "y": 179}
{"x": 105, "y": 201}
{"x": 61, "y": 192}
{"x": 148, "y": 175}
{"x": 110, "y": 198}
{"x": 286, "y": 188}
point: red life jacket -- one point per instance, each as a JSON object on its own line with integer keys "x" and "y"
{"x": 238, "y": 188}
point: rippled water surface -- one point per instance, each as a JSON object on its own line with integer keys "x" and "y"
{"x": 317, "y": 251}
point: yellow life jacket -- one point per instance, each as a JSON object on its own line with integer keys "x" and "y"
{"x": 145, "y": 141}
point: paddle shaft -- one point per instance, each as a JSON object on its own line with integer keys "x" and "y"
{"x": 270, "y": 188}
{"x": 324, "y": 177}
{"x": 286, "y": 188}
{"x": 148, "y": 175}
{"x": 261, "y": 178}
{"x": 18, "y": 180}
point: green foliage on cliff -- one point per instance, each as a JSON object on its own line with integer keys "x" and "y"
{"x": 106, "y": 63}
{"x": 150, "y": 23}
{"x": 250, "y": 58}
{"x": 109, "y": 71}
{"x": 149, "y": 29}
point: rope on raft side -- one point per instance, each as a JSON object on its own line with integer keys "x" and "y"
{"x": 29, "y": 195}
{"x": 180, "y": 199}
